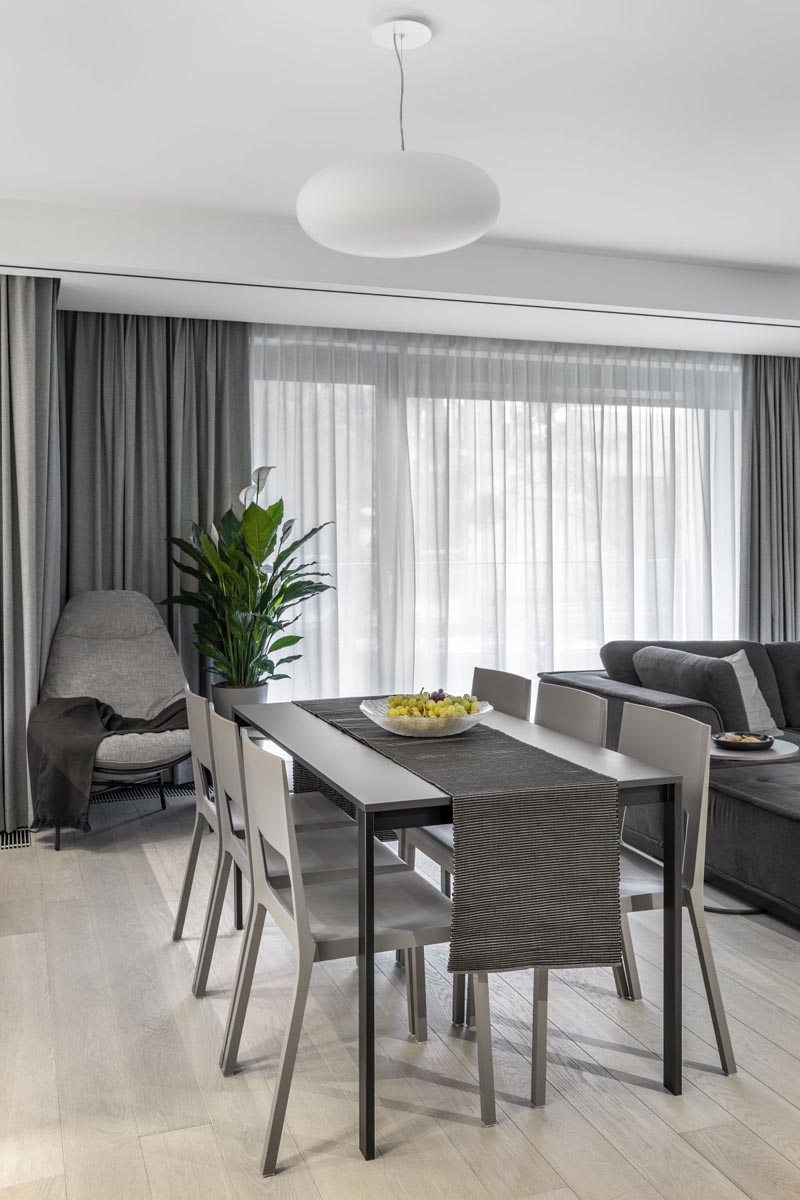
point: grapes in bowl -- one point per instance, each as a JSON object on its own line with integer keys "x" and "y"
{"x": 426, "y": 714}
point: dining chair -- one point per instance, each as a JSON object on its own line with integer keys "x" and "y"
{"x": 510, "y": 694}
{"x": 572, "y": 711}
{"x": 320, "y": 920}
{"x": 327, "y": 841}
{"x": 679, "y": 744}
{"x": 676, "y": 743}
{"x": 228, "y": 823}
{"x": 205, "y": 813}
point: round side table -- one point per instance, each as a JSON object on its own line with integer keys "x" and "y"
{"x": 778, "y": 752}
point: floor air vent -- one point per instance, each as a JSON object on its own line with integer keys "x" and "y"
{"x": 20, "y": 839}
{"x": 173, "y": 791}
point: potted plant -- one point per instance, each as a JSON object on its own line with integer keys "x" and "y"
{"x": 249, "y": 583}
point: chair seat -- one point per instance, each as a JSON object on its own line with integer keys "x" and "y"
{"x": 312, "y": 809}
{"x": 329, "y": 854}
{"x": 437, "y": 842}
{"x": 409, "y": 912}
{"x": 139, "y": 752}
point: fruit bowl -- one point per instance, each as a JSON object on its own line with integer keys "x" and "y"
{"x": 444, "y": 726}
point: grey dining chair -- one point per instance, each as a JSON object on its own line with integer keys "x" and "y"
{"x": 676, "y": 743}
{"x": 320, "y": 920}
{"x": 228, "y": 824}
{"x": 229, "y": 828}
{"x": 667, "y": 739}
{"x": 327, "y": 841}
{"x": 572, "y": 711}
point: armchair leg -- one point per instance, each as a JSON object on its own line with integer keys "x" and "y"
{"x": 57, "y": 835}
{"x": 161, "y": 795}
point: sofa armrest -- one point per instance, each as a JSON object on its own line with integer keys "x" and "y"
{"x": 618, "y": 694}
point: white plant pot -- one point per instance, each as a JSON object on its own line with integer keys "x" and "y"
{"x": 227, "y": 698}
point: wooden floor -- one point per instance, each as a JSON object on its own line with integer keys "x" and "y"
{"x": 110, "y": 1089}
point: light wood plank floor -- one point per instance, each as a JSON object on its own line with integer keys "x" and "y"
{"x": 110, "y": 1089}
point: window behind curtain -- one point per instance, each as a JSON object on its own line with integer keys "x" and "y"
{"x": 499, "y": 503}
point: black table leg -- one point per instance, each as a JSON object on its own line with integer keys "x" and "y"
{"x": 366, "y": 984}
{"x": 673, "y": 916}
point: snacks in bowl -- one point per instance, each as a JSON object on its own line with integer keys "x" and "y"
{"x": 738, "y": 738}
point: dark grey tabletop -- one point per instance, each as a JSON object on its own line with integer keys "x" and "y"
{"x": 374, "y": 783}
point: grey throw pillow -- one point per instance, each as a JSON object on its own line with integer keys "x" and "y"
{"x": 712, "y": 680}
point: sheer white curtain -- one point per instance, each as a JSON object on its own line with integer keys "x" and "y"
{"x": 500, "y": 503}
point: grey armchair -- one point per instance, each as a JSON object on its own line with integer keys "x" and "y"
{"x": 115, "y": 647}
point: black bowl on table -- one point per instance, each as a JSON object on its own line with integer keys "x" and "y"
{"x": 729, "y": 740}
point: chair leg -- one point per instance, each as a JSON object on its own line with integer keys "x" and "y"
{"x": 470, "y": 1013}
{"x": 161, "y": 795}
{"x": 188, "y": 877}
{"x": 280, "y": 1097}
{"x": 242, "y": 987}
{"x": 446, "y": 882}
{"x": 459, "y": 999}
{"x": 621, "y": 982}
{"x": 634, "y": 987}
{"x": 238, "y": 918}
{"x": 479, "y": 986}
{"x": 213, "y": 914}
{"x": 709, "y": 970}
{"x": 57, "y": 835}
{"x": 415, "y": 993}
{"x": 541, "y": 977}
{"x": 408, "y": 854}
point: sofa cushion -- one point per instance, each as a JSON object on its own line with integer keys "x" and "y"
{"x": 617, "y": 658}
{"x": 759, "y": 718}
{"x": 698, "y": 676}
{"x": 785, "y": 659}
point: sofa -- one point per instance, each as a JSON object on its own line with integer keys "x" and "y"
{"x": 753, "y": 845}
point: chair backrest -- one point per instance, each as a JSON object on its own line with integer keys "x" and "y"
{"x": 114, "y": 646}
{"x": 573, "y": 711}
{"x": 679, "y": 744}
{"x": 205, "y": 784}
{"x": 229, "y": 785}
{"x": 270, "y": 823}
{"x": 510, "y": 694}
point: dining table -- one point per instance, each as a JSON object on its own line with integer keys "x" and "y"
{"x": 386, "y": 797}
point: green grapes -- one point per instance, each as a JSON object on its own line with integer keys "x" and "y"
{"x": 423, "y": 705}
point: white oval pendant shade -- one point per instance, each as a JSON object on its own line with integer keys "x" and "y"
{"x": 398, "y": 204}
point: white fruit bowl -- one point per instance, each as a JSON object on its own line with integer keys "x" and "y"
{"x": 376, "y": 710}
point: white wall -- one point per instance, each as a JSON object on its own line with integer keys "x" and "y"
{"x": 755, "y": 311}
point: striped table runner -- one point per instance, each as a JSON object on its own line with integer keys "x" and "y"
{"x": 535, "y": 840}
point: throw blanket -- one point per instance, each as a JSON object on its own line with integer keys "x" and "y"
{"x": 535, "y": 841}
{"x": 63, "y": 736}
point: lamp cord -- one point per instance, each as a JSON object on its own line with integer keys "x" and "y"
{"x": 399, "y": 55}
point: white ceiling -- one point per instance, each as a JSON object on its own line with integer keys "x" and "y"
{"x": 665, "y": 127}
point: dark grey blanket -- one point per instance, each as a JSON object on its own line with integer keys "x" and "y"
{"x": 63, "y": 736}
{"x": 535, "y": 842}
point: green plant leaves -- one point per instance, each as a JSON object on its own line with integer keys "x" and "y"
{"x": 248, "y": 584}
{"x": 259, "y": 526}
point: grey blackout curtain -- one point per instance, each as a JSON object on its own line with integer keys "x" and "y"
{"x": 770, "y": 571}
{"x": 31, "y": 579}
{"x": 158, "y": 420}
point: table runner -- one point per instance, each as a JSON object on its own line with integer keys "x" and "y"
{"x": 535, "y": 841}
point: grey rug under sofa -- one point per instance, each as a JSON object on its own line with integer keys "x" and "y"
{"x": 753, "y": 848}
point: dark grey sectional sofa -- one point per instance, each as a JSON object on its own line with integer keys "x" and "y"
{"x": 753, "y": 847}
